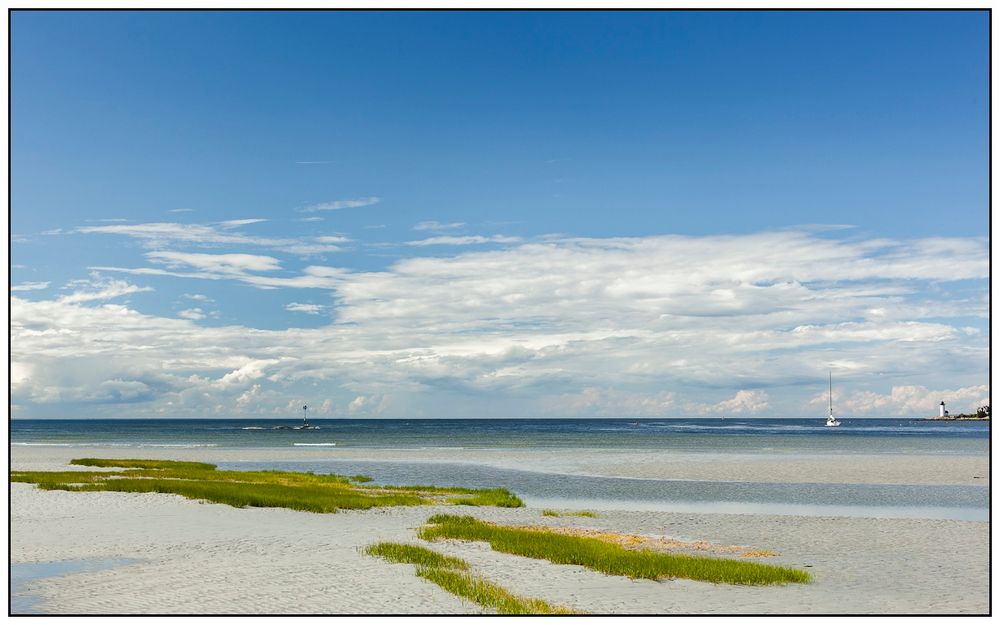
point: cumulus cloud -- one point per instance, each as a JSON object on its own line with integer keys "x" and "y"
{"x": 744, "y": 402}
{"x": 594, "y": 401}
{"x": 621, "y": 326}
{"x": 908, "y": 400}
{"x": 367, "y": 405}
{"x": 194, "y": 314}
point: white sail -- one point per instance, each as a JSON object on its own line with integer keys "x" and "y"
{"x": 831, "y": 421}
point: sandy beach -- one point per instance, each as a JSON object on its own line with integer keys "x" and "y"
{"x": 177, "y": 556}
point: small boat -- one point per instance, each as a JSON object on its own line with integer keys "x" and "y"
{"x": 831, "y": 421}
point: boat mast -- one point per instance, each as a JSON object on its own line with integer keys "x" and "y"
{"x": 831, "y": 393}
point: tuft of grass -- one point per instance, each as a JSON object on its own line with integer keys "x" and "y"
{"x": 264, "y": 489}
{"x": 448, "y": 573}
{"x": 585, "y": 513}
{"x": 124, "y": 463}
{"x": 486, "y": 593}
{"x": 498, "y": 497}
{"x": 402, "y": 553}
{"x": 606, "y": 557}
{"x": 360, "y": 479}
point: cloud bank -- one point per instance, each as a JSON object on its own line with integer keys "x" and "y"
{"x": 645, "y": 326}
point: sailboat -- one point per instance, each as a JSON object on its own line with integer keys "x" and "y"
{"x": 831, "y": 421}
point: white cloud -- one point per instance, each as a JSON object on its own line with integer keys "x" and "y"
{"x": 309, "y": 309}
{"x": 30, "y": 286}
{"x": 744, "y": 402}
{"x": 249, "y": 397}
{"x": 161, "y": 234}
{"x": 235, "y": 264}
{"x": 311, "y": 249}
{"x": 181, "y": 210}
{"x": 468, "y": 240}
{"x": 312, "y": 277}
{"x": 236, "y": 223}
{"x": 437, "y": 226}
{"x": 594, "y": 401}
{"x": 368, "y": 405}
{"x": 907, "y": 400}
{"x": 623, "y": 326}
{"x": 194, "y": 314}
{"x": 341, "y": 204}
{"x": 100, "y": 289}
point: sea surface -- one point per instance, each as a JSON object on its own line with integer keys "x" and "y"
{"x": 541, "y": 484}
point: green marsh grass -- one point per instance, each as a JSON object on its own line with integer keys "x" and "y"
{"x": 606, "y": 557}
{"x": 402, "y": 553}
{"x": 497, "y": 497}
{"x": 450, "y": 574}
{"x": 486, "y": 593}
{"x": 583, "y": 513}
{"x": 263, "y": 489}
{"x": 141, "y": 464}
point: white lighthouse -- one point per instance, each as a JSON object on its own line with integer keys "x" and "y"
{"x": 944, "y": 413}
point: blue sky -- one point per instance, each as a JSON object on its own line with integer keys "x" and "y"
{"x": 476, "y": 213}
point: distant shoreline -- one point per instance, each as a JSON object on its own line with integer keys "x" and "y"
{"x": 957, "y": 418}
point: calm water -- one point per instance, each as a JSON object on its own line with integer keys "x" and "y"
{"x": 538, "y": 485}
{"x": 22, "y": 601}
{"x": 714, "y": 435}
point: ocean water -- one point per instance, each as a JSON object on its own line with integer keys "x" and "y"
{"x": 734, "y": 435}
{"x": 539, "y": 485}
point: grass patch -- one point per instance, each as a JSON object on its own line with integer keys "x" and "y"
{"x": 262, "y": 489}
{"x": 498, "y": 497}
{"x": 141, "y": 464}
{"x": 402, "y": 553}
{"x": 486, "y": 593}
{"x": 449, "y": 573}
{"x": 606, "y": 557}
{"x": 585, "y": 513}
